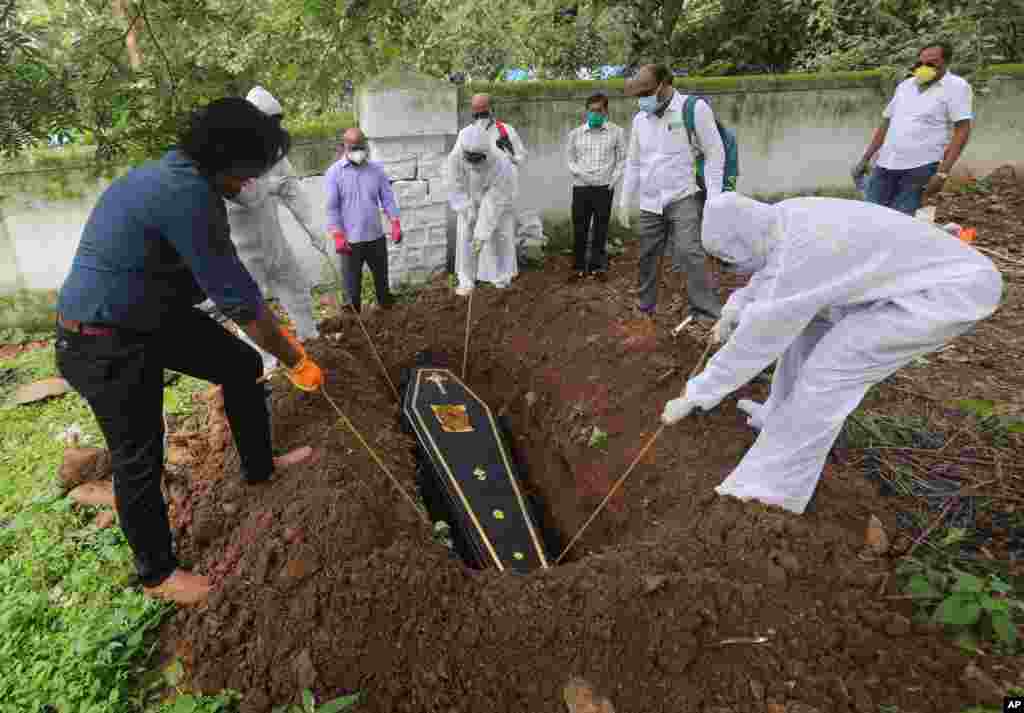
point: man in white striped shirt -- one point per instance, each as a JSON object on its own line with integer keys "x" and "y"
{"x": 596, "y": 154}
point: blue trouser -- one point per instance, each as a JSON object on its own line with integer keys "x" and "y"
{"x": 900, "y": 189}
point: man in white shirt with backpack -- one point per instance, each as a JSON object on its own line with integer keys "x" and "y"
{"x": 661, "y": 176}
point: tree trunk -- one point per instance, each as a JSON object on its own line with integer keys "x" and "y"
{"x": 131, "y": 40}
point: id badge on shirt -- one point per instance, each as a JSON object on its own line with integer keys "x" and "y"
{"x": 675, "y": 120}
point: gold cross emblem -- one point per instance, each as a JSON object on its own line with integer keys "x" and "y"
{"x": 438, "y": 379}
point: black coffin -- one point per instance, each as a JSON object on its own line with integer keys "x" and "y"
{"x": 467, "y": 474}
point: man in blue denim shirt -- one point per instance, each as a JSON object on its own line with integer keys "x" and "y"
{"x": 157, "y": 243}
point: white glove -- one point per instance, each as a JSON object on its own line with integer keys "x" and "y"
{"x": 677, "y": 410}
{"x": 754, "y": 411}
{"x": 725, "y": 326}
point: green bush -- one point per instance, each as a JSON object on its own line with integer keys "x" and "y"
{"x": 318, "y": 128}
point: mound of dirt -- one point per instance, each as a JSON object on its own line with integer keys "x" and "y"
{"x": 675, "y": 599}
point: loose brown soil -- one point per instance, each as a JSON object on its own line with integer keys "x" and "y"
{"x": 326, "y": 578}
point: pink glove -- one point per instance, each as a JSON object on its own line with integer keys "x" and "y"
{"x": 341, "y": 242}
{"x": 396, "y": 231}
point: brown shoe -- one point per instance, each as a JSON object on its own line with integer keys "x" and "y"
{"x": 182, "y": 587}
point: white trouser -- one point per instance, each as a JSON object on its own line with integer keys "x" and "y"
{"x": 825, "y": 374}
{"x": 496, "y": 262}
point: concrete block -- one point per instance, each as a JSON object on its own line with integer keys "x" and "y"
{"x": 437, "y": 235}
{"x": 432, "y": 214}
{"x": 390, "y": 149}
{"x": 434, "y": 255}
{"x": 437, "y": 189}
{"x": 416, "y": 236}
{"x": 432, "y": 165}
{"x": 385, "y": 106}
{"x": 409, "y": 193}
{"x": 400, "y": 170}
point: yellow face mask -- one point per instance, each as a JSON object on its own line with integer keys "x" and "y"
{"x": 925, "y": 74}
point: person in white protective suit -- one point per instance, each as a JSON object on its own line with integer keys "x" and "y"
{"x": 483, "y": 187}
{"x": 260, "y": 241}
{"x": 843, "y": 294}
{"x": 528, "y": 228}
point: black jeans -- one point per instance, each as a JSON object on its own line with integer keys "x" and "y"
{"x": 375, "y": 254}
{"x": 591, "y": 202}
{"x": 121, "y": 377}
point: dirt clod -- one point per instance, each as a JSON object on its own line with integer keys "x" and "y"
{"x": 580, "y": 697}
{"x": 897, "y": 625}
{"x": 305, "y": 671}
{"x": 875, "y": 538}
{"x": 653, "y": 582}
{"x": 83, "y": 465}
{"x": 980, "y": 685}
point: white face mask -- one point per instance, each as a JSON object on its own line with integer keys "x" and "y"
{"x": 357, "y": 157}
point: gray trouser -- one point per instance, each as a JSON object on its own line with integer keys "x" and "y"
{"x": 676, "y": 230}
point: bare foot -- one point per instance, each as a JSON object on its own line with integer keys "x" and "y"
{"x": 182, "y": 587}
{"x": 95, "y": 493}
{"x": 295, "y": 457}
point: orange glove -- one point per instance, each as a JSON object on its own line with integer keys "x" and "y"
{"x": 305, "y": 375}
{"x": 341, "y": 244}
{"x": 396, "y": 231}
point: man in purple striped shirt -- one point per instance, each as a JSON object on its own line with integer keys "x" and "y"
{"x": 357, "y": 190}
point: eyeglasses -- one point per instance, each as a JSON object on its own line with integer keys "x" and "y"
{"x": 474, "y": 156}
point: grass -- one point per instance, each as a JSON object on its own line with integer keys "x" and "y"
{"x": 76, "y": 636}
{"x": 27, "y": 315}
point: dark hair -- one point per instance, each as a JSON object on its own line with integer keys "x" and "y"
{"x": 233, "y": 137}
{"x": 598, "y": 98}
{"x": 947, "y": 50}
{"x": 662, "y": 73}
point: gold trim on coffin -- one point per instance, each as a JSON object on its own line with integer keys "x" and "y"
{"x": 455, "y": 483}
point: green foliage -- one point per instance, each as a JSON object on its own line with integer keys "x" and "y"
{"x": 598, "y": 439}
{"x": 32, "y": 311}
{"x": 74, "y": 635}
{"x": 323, "y": 127}
{"x": 309, "y": 704}
{"x": 872, "y": 430}
{"x": 997, "y": 421}
{"x": 34, "y": 89}
{"x": 966, "y": 604}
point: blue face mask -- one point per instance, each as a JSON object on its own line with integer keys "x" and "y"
{"x": 648, "y": 104}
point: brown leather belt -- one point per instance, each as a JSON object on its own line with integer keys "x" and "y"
{"x": 88, "y": 330}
